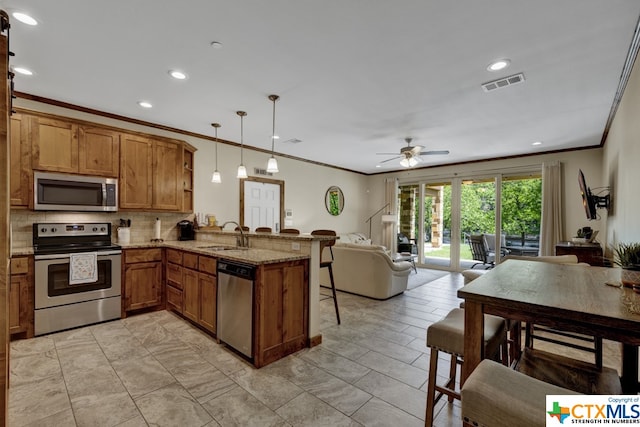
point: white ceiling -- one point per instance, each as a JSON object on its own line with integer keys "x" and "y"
{"x": 355, "y": 77}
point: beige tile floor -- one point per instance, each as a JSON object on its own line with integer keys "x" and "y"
{"x": 156, "y": 369}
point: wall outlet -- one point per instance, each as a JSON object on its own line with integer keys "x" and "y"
{"x": 295, "y": 246}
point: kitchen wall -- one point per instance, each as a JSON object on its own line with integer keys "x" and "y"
{"x": 621, "y": 166}
{"x": 142, "y": 224}
{"x": 305, "y": 183}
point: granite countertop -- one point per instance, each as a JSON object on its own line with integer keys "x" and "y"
{"x": 301, "y": 236}
{"x": 249, "y": 255}
{"x": 253, "y": 256}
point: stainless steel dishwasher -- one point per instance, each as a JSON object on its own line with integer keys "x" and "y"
{"x": 235, "y": 305}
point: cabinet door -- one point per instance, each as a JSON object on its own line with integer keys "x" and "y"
{"x": 21, "y": 295}
{"x": 54, "y": 145}
{"x": 190, "y": 295}
{"x": 98, "y": 152}
{"x": 136, "y": 155}
{"x": 208, "y": 301}
{"x": 18, "y": 303}
{"x": 21, "y": 174}
{"x": 167, "y": 175}
{"x": 143, "y": 285}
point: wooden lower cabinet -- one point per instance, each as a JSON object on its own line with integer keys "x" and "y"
{"x": 195, "y": 295}
{"x": 191, "y": 295}
{"x": 281, "y": 311}
{"x": 21, "y": 298}
{"x": 142, "y": 279}
{"x": 208, "y": 285}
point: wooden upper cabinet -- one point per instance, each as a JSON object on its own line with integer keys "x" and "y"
{"x": 54, "y": 145}
{"x": 62, "y": 146}
{"x": 136, "y": 156}
{"x": 21, "y": 174}
{"x": 167, "y": 175}
{"x": 98, "y": 152}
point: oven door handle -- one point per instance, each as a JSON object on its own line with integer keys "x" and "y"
{"x": 67, "y": 256}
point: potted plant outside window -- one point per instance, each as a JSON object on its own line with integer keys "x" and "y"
{"x": 627, "y": 256}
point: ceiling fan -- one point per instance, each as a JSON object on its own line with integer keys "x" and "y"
{"x": 410, "y": 155}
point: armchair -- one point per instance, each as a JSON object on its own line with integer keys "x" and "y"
{"x": 406, "y": 245}
{"x": 483, "y": 249}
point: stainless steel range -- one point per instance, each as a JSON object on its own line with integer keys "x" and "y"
{"x": 63, "y": 301}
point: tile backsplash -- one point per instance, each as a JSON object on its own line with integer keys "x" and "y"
{"x": 142, "y": 223}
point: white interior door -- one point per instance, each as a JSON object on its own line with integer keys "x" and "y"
{"x": 261, "y": 205}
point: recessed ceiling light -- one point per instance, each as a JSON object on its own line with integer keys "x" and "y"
{"x": 24, "y": 18}
{"x": 145, "y": 104}
{"x": 23, "y": 71}
{"x": 216, "y": 45}
{"x": 378, "y": 166}
{"x": 498, "y": 65}
{"x": 537, "y": 143}
{"x": 178, "y": 75}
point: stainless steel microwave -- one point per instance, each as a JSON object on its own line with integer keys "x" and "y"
{"x": 62, "y": 192}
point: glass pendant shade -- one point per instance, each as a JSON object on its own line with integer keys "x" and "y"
{"x": 216, "y": 178}
{"x": 272, "y": 165}
{"x": 242, "y": 172}
{"x": 404, "y": 163}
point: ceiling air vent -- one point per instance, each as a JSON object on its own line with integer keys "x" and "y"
{"x": 259, "y": 171}
{"x": 292, "y": 141}
{"x": 504, "y": 82}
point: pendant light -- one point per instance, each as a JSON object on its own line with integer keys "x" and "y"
{"x": 215, "y": 178}
{"x": 242, "y": 171}
{"x": 272, "y": 165}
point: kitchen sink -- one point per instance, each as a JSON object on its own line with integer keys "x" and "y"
{"x": 222, "y": 248}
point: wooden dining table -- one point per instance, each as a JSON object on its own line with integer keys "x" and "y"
{"x": 574, "y": 298}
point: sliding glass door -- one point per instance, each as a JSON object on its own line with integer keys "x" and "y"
{"x": 437, "y": 219}
{"x": 425, "y": 221}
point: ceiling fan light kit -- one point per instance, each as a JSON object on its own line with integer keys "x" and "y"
{"x": 410, "y": 155}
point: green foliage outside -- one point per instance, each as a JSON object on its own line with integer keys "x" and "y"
{"x": 521, "y": 208}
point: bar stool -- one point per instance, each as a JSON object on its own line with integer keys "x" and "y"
{"x": 289, "y": 231}
{"x": 263, "y": 230}
{"x": 447, "y": 335}
{"x": 328, "y": 263}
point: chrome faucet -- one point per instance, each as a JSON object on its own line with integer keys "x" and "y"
{"x": 241, "y": 240}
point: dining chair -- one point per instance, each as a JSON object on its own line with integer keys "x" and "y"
{"x": 263, "y": 230}
{"x": 480, "y": 252}
{"x": 533, "y": 331}
{"x": 328, "y": 264}
{"x": 447, "y": 335}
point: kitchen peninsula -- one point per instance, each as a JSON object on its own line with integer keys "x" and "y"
{"x": 286, "y": 288}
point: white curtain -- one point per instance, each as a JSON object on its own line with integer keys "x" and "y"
{"x": 551, "y": 231}
{"x": 389, "y": 235}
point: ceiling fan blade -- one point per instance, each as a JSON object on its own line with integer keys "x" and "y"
{"x": 418, "y": 159}
{"x": 388, "y": 154}
{"x": 416, "y": 150}
{"x": 391, "y": 159}
{"x": 435, "y": 152}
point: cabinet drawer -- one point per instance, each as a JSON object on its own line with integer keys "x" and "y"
{"x": 174, "y": 256}
{"x": 19, "y": 265}
{"x": 174, "y": 298}
{"x": 142, "y": 255}
{"x": 174, "y": 275}
{"x": 190, "y": 260}
{"x": 208, "y": 265}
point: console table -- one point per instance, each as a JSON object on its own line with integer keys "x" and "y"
{"x": 591, "y": 253}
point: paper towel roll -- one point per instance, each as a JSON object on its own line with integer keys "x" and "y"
{"x": 156, "y": 229}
